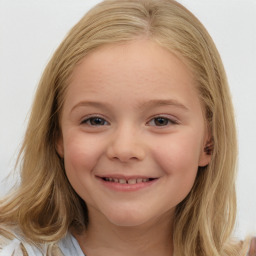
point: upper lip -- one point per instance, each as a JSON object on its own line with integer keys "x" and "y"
{"x": 126, "y": 177}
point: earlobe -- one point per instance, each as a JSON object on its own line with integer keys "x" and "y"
{"x": 206, "y": 155}
{"x": 59, "y": 147}
{"x": 204, "y": 159}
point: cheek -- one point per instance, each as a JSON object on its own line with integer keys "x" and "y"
{"x": 179, "y": 154}
{"x": 80, "y": 152}
{"x": 81, "y": 155}
{"x": 178, "y": 160}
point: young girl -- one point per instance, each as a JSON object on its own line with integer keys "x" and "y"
{"x": 131, "y": 144}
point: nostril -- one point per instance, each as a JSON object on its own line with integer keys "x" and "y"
{"x": 125, "y": 150}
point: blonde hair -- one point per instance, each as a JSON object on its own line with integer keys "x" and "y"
{"x": 45, "y": 205}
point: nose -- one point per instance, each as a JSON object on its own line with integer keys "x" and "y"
{"x": 126, "y": 145}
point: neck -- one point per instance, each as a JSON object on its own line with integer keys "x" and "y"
{"x": 104, "y": 238}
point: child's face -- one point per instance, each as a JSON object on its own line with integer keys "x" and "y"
{"x": 132, "y": 115}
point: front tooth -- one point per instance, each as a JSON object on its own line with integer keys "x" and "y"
{"x": 122, "y": 181}
{"x": 139, "y": 180}
{"x": 116, "y": 180}
{"x": 132, "y": 181}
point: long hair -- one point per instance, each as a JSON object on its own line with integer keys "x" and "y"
{"x": 45, "y": 205}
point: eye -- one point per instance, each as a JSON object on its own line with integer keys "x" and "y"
{"x": 161, "y": 121}
{"x": 95, "y": 121}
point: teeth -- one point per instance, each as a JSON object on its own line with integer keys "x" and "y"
{"x": 130, "y": 181}
{"x": 122, "y": 181}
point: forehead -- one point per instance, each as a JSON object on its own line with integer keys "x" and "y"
{"x": 132, "y": 58}
{"x": 137, "y": 69}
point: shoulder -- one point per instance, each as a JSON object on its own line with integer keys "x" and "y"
{"x": 252, "y": 249}
{"x": 70, "y": 246}
{"x": 12, "y": 244}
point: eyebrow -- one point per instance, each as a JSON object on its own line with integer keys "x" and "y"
{"x": 140, "y": 106}
{"x": 91, "y": 104}
{"x": 162, "y": 102}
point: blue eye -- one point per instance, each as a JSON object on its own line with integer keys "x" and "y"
{"x": 161, "y": 121}
{"x": 95, "y": 121}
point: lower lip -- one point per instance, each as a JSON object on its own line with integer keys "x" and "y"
{"x": 127, "y": 187}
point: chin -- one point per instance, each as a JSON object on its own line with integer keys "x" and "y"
{"x": 127, "y": 218}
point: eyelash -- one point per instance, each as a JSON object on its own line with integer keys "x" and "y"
{"x": 90, "y": 119}
{"x": 166, "y": 121}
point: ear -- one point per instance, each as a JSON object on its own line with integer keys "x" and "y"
{"x": 59, "y": 146}
{"x": 206, "y": 154}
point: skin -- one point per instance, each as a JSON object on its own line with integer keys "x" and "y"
{"x": 149, "y": 123}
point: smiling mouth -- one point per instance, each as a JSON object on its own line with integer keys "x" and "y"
{"x": 128, "y": 181}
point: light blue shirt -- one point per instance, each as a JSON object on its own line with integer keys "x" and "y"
{"x": 68, "y": 246}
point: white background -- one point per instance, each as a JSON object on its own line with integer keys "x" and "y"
{"x": 30, "y": 31}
